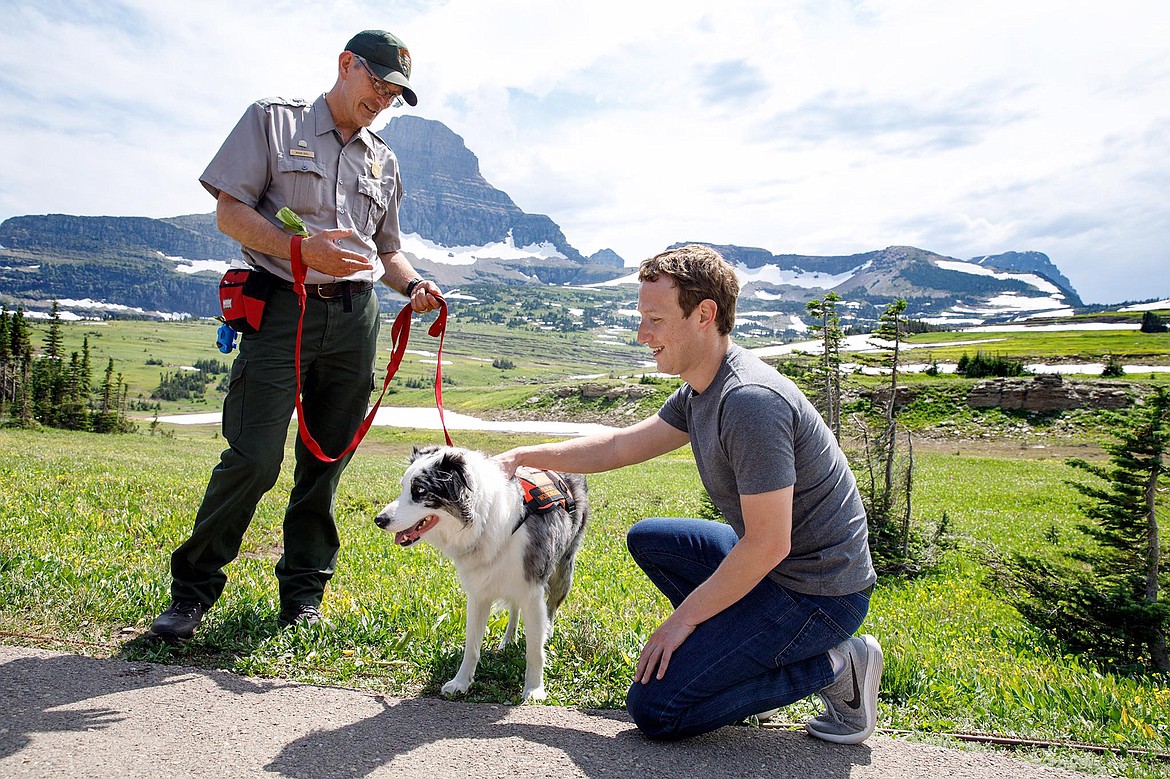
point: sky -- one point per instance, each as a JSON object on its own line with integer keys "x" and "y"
{"x": 827, "y": 127}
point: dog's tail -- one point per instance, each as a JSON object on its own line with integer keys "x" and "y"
{"x": 561, "y": 578}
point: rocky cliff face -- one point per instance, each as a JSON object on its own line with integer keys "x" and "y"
{"x": 1031, "y": 262}
{"x": 448, "y": 200}
{"x": 193, "y": 237}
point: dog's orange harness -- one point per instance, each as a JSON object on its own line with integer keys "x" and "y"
{"x": 543, "y": 491}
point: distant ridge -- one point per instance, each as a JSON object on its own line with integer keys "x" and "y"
{"x": 461, "y": 230}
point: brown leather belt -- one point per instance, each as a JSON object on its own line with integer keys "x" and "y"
{"x": 333, "y": 289}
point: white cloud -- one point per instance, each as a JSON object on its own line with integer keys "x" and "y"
{"x": 829, "y": 128}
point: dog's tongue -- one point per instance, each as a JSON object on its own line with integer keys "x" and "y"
{"x": 408, "y": 537}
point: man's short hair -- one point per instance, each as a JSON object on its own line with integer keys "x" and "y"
{"x": 700, "y": 273}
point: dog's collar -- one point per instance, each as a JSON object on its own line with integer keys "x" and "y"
{"x": 543, "y": 492}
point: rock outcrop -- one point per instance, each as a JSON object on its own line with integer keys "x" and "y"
{"x": 591, "y": 390}
{"x": 1048, "y": 392}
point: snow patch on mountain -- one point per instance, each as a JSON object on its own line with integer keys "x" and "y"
{"x": 1031, "y": 279}
{"x": 184, "y": 265}
{"x": 66, "y": 313}
{"x": 467, "y": 255}
{"x": 774, "y": 274}
{"x": 1155, "y": 306}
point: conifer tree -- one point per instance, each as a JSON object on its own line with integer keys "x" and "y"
{"x": 1110, "y": 600}
{"x": 86, "y": 386}
{"x": 5, "y": 344}
{"x": 1152, "y": 323}
{"x": 73, "y": 413}
{"x": 827, "y": 324}
{"x": 106, "y": 419}
{"x": 54, "y": 340}
{"x": 891, "y": 328}
{"x": 19, "y": 337}
{"x": 7, "y": 380}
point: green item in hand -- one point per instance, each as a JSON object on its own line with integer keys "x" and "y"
{"x": 292, "y": 221}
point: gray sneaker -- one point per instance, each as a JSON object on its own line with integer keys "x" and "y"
{"x": 851, "y": 699}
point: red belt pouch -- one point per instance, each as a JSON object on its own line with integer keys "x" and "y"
{"x": 242, "y": 295}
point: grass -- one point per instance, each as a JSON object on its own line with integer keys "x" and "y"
{"x": 1130, "y": 346}
{"x": 87, "y": 524}
{"x": 142, "y": 351}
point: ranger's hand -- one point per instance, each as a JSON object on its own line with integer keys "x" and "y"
{"x": 321, "y": 253}
{"x": 425, "y": 297}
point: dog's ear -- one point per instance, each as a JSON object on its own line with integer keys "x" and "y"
{"x": 422, "y": 451}
{"x": 455, "y": 463}
{"x": 459, "y": 479}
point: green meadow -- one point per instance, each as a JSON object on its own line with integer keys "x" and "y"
{"x": 143, "y": 351}
{"x": 1090, "y": 346}
{"x": 87, "y": 524}
{"x": 473, "y": 351}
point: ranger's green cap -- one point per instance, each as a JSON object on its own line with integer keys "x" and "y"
{"x": 387, "y": 56}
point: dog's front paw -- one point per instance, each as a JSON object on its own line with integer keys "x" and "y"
{"x": 535, "y": 694}
{"x": 456, "y": 686}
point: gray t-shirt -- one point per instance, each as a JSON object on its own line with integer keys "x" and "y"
{"x": 289, "y": 153}
{"x": 753, "y": 431}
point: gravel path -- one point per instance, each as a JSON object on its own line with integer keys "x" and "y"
{"x": 70, "y": 715}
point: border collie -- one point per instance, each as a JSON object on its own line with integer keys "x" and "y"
{"x": 504, "y": 547}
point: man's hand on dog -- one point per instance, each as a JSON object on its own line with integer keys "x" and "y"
{"x": 508, "y": 461}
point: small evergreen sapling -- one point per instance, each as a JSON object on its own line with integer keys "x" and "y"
{"x": 1109, "y": 601}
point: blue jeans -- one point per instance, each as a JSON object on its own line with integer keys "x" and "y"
{"x": 765, "y": 651}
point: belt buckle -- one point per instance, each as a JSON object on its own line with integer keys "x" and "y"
{"x": 331, "y": 290}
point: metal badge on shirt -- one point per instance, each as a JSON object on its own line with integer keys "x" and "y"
{"x": 302, "y": 152}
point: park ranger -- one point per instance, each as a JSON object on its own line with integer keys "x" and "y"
{"x": 321, "y": 160}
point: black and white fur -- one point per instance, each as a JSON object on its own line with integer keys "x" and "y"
{"x": 459, "y": 501}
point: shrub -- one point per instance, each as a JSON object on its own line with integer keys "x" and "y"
{"x": 982, "y": 366}
{"x": 1152, "y": 323}
{"x": 1113, "y": 368}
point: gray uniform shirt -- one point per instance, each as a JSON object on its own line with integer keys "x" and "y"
{"x": 289, "y": 153}
{"x": 753, "y": 431}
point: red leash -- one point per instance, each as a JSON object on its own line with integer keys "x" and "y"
{"x": 399, "y": 334}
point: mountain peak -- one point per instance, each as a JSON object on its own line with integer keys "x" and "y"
{"x": 449, "y": 202}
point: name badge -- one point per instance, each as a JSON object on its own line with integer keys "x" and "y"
{"x": 301, "y": 153}
{"x": 376, "y": 169}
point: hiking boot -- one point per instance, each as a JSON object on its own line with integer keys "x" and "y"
{"x": 851, "y": 699}
{"x": 299, "y": 614}
{"x": 178, "y": 623}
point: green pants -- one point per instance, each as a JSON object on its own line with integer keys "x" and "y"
{"x": 337, "y": 362}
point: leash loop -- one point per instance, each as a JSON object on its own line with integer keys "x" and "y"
{"x": 399, "y": 335}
